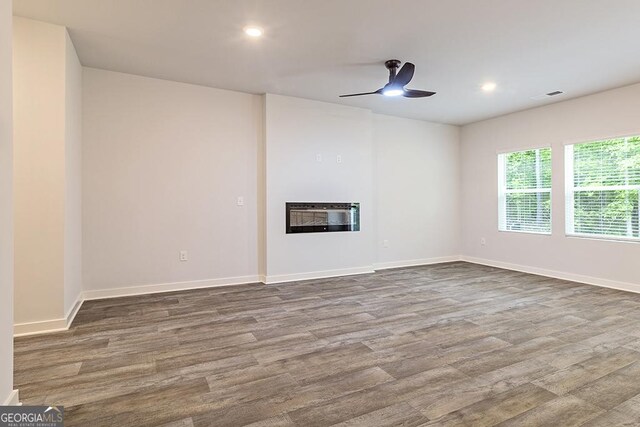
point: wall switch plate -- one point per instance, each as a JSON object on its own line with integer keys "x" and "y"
{"x": 240, "y": 201}
{"x": 318, "y": 157}
{"x": 184, "y": 256}
{"x": 483, "y": 241}
{"x": 385, "y": 243}
{"x": 339, "y": 158}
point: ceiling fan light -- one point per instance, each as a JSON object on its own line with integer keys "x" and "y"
{"x": 392, "y": 92}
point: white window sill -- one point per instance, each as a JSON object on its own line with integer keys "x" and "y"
{"x": 537, "y": 233}
{"x": 603, "y": 238}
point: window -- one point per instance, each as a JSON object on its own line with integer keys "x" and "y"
{"x": 603, "y": 181}
{"x": 524, "y": 191}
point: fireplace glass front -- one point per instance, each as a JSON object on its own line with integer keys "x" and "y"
{"x": 304, "y": 217}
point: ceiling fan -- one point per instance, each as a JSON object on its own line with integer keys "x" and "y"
{"x": 397, "y": 82}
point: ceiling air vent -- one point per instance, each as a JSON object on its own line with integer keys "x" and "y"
{"x": 548, "y": 95}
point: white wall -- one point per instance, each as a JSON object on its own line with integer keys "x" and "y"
{"x": 39, "y": 176}
{"x": 416, "y": 190}
{"x": 47, "y": 162}
{"x": 163, "y": 165}
{"x": 6, "y": 204}
{"x": 73, "y": 177}
{"x": 296, "y": 131}
{"x": 606, "y": 114}
{"x": 164, "y": 162}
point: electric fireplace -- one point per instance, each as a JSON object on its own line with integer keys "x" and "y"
{"x": 315, "y": 217}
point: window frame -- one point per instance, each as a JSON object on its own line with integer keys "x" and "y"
{"x": 503, "y": 190}
{"x": 569, "y": 191}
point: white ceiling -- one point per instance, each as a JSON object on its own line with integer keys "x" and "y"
{"x": 319, "y": 49}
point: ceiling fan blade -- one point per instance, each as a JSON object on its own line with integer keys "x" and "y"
{"x": 360, "y": 94}
{"x": 405, "y": 74}
{"x": 414, "y": 93}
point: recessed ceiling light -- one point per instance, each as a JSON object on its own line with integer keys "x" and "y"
{"x": 489, "y": 87}
{"x": 253, "y": 31}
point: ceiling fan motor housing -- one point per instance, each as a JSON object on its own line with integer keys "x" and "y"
{"x": 392, "y": 65}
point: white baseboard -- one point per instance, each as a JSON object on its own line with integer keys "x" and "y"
{"x": 63, "y": 324}
{"x": 281, "y": 278}
{"x": 168, "y": 287}
{"x": 13, "y": 399}
{"x": 416, "y": 262}
{"x": 596, "y": 281}
{"x": 71, "y": 314}
{"x": 48, "y": 326}
{"x": 40, "y": 327}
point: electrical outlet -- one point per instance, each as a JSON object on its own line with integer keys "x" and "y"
{"x": 184, "y": 256}
{"x": 483, "y": 241}
{"x": 240, "y": 201}
{"x": 339, "y": 158}
{"x": 385, "y": 243}
{"x": 318, "y": 157}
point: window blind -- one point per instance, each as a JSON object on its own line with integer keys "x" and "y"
{"x": 603, "y": 184}
{"x": 524, "y": 191}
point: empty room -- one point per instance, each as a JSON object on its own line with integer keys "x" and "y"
{"x": 319, "y": 213}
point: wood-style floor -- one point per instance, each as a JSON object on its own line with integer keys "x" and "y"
{"x": 443, "y": 345}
